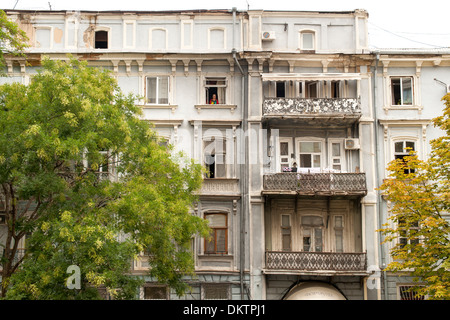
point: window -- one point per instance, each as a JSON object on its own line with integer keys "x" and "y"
{"x": 216, "y": 291}
{"x": 335, "y": 89}
{"x": 285, "y": 154}
{"x": 409, "y": 292}
{"x": 157, "y": 90}
{"x": 286, "y": 232}
{"x": 215, "y": 90}
{"x": 312, "y": 233}
{"x": 311, "y": 89}
{"x": 217, "y": 242}
{"x": 307, "y": 40}
{"x": 339, "y": 233}
{"x": 281, "y": 89}
{"x": 310, "y": 153}
{"x": 102, "y": 165}
{"x": 402, "y": 149}
{"x": 155, "y": 292}
{"x": 214, "y": 158}
{"x": 336, "y": 156}
{"x": 407, "y": 234}
{"x": 101, "y": 40}
{"x": 402, "y": 91}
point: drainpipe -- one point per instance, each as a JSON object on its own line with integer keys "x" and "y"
{"x": 243, "y": 172}
{"x": 377, "y": 176}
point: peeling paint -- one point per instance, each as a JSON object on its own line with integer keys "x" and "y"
{"x": 57, "y": 35}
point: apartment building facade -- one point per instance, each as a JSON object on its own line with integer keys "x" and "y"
{"x": 292, "y": 116}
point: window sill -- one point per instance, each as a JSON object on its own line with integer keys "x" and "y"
{"x": 173, "y": 107}
{"x": 402, "y": 107}
{"x": 231, "y": 107}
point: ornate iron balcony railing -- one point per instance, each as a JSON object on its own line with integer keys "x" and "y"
{"x": 317, "y": 183}
{"x": 316, "y": 261}
{"x": 317, "y": 106}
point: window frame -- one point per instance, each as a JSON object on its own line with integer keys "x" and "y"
{"x": 206, "y": 143}
{"x": 402, "y": 100}
{"x": 225, "y": 286}
{"x": 312, "y": 228}
{"x": 322, "y": 154}
{"x": 108, "y": 37}
{"x": 214, "y": 231}
{"x": 400, "y": 155}
{"x": 169, "y": 89}
{"x": 205, "y": 95}
{"x": 286, "y": 230}
{"x": 280, "y": 156}
{"x": 302, "y": 46}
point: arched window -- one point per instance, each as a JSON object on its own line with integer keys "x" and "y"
{"x": 307, "y": 40}
{"x": 217, "y": 243}
{"x": 403, "y": 149}
{"x": 101, "y": 39}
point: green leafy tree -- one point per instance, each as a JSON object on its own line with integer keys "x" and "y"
{"x": 418, "y": 192}
{"x": 59, "y": 137}
{"x": 13, "y": 40}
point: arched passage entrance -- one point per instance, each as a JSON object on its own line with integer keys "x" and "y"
{"x": 314, "y": 291}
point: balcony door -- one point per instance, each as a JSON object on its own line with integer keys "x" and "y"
{"x": 312, "y": 233}
{"x": 284, "y": 154}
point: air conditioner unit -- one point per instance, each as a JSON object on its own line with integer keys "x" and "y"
{"x": 268, "y": 35}
{"x": 352, "y": 144}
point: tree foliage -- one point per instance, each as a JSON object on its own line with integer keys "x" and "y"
{"x": 13, "y": 40}
{"x": 420, "y": 201}
{"x": 57, "y": 137}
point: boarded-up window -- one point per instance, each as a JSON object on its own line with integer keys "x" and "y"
{"x": 216, "y": 291}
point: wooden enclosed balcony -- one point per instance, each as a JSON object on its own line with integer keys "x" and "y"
{"x": 324, "y": 184}
{"x": 332, "y": 262}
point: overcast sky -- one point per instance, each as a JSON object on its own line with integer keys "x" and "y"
{"x": 392, "y": 24}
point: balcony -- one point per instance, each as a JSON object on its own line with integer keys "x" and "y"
{"x": 336, "y": 110}
{"x": 320, "y": 184}
{"x": 332, "y": 262}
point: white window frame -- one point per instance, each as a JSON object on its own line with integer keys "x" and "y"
{"x": 413, "y": 91}
{"x": 290, "y": 152}
{"x": 301, "y": 39}
{"x": 108, "y": 32}
{"x": 341, "y": 158}
{"x": 227, "y": 89}
{"x": 322, "y": 154}
{"x": 206, "y": 143}
{"x": 169, "y": 89}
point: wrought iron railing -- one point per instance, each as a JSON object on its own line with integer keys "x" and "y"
{"x": 316, "y": 261}
{"x": 303, "y": 106}
{"x": 317, "y": 183}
